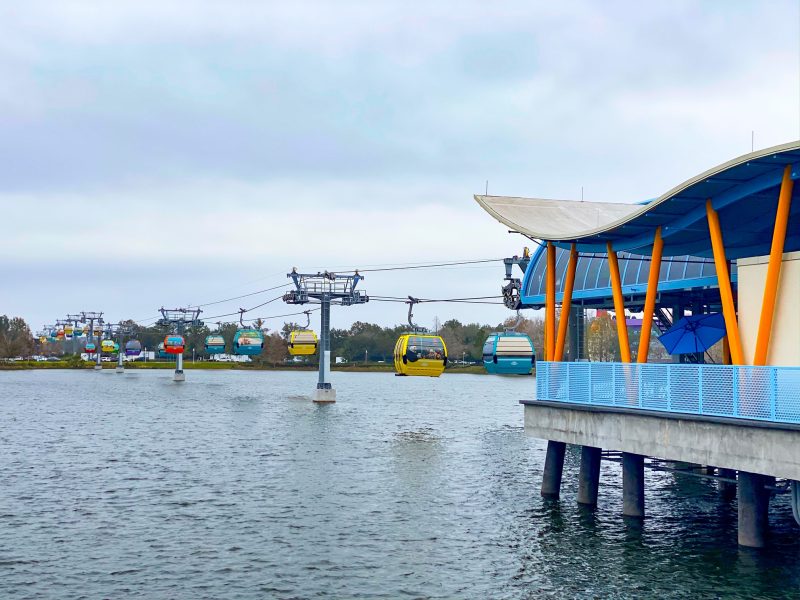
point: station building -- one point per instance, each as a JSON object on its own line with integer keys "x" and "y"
{"x": 726, "y": 241}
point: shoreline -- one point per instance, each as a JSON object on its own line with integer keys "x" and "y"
{"x": 219, "y": 366}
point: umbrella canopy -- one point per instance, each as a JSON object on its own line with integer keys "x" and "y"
{"x": 696, "y": 333}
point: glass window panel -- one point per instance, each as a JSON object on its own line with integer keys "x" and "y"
{"x": 591, "y": 272}
{"x": 536, "y": 282}
{"x": 603, "y": 278}
{"x": 562, "y": 260}
{"x": 580, "y": 271}
{"x": 694, "y": 268}
{"x": 629, "y": 268}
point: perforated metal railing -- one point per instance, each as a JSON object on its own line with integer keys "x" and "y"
{"x": 739, "y": 392}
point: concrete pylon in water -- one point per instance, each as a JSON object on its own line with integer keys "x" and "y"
{"x": 179, "y": 375}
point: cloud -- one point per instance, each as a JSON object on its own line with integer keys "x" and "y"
{"x": 146, "y": 141}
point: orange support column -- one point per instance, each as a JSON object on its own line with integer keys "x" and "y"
{"x": 619, "y": 305}
{"x": 650, "y": 298}
{"x": 725, "y": 293}
{"x": 566, "y": 303}
{"x": 774, "y": 268}
{"x": 550, "y": 303}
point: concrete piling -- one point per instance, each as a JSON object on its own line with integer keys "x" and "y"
{"x": 589, "y": 475}
{"x": 753, "y": 507}
{"x": 553, "y": 469}
{"x": 633, "y": 485}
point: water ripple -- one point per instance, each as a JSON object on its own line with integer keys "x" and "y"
{"x": 235, "y": 485}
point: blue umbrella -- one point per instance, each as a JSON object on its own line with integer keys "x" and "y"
{"x": 696, "y": 333}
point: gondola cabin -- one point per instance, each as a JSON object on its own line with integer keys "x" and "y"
{"x": 161, "y": 353}
{"x": 133, "y": 348}
{"x": 420, "y": 354}
{"x": 508, "y": 353}
{"x": 214, "y": 344}
{"x": 68, "y": 330}
{"x": 303, "y": 343}
{"x": 60, "y": 334}
{"x": 108, "y": 346}
{"x": 90, "y": 348}
{"x": 248, "y": 342}
{"x": 174, "y": 344}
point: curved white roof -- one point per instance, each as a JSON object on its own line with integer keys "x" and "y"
{"x": 567, "y": 220}
{"x": 555, "y": 219}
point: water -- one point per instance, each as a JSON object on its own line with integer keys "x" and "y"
{"x": 234, "y": 485}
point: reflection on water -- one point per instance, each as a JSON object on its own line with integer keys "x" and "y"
{"x": 235, "y": 485}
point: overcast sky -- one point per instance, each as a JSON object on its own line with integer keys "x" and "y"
{"x": 171, "y": 152}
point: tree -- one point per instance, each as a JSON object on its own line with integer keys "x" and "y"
{"x": 601, "y": 339}
{"x": 276, "y": 349}
{"x": 15, "y": 338}
{"x": 534, "y": 328}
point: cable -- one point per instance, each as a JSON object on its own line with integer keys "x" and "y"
{"x": 420, "y": 300}
{"x": 398, "y": 267}
{"x": 475, "y": 300}
{"x": 242, "y": 296}
{"x": 427, "y": 266}
{"x": 302, "y": 312}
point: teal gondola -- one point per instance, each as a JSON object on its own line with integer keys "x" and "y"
{"x": 508, "y": 353}
{"x": 248, "y": 342}
{"x": 215, "y": 344}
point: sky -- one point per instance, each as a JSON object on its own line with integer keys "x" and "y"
{"x": 171, "y": 153}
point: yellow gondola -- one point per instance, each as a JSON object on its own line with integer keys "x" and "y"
{"x": 419, "y": 353}
{"x": 303, "y": 342}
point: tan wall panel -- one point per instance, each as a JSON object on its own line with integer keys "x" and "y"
{"x": 785, "y": 342}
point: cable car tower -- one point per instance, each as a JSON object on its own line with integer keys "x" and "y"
{"x": 91, "y": 317}
{"x": 119, "y": 331}
{"x": 325, "y": 289}
{"x": 179, "y": 318}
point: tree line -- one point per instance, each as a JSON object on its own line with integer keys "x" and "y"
{"x": 360, "y": 342}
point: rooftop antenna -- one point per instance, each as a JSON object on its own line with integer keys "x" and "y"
{"x": 752, "y": 141}
{"x": 581, "y": 193}
{"x": 487, "y": 188}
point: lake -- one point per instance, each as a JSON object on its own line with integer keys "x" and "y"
{"x": 235, "y": 485}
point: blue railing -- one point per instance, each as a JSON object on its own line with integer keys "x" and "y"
{"x": 760, "y": 393}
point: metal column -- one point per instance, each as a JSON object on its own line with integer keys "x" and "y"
{"x": 120, "y": 351}
{"x": 325, "y": 391}
{"x": 179, "y": 375}
{"x": 325, "y": 289}
{"x": 99, "y": 350}
{"x": 577, "y": 333}
{"x": 677, "y": 315}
